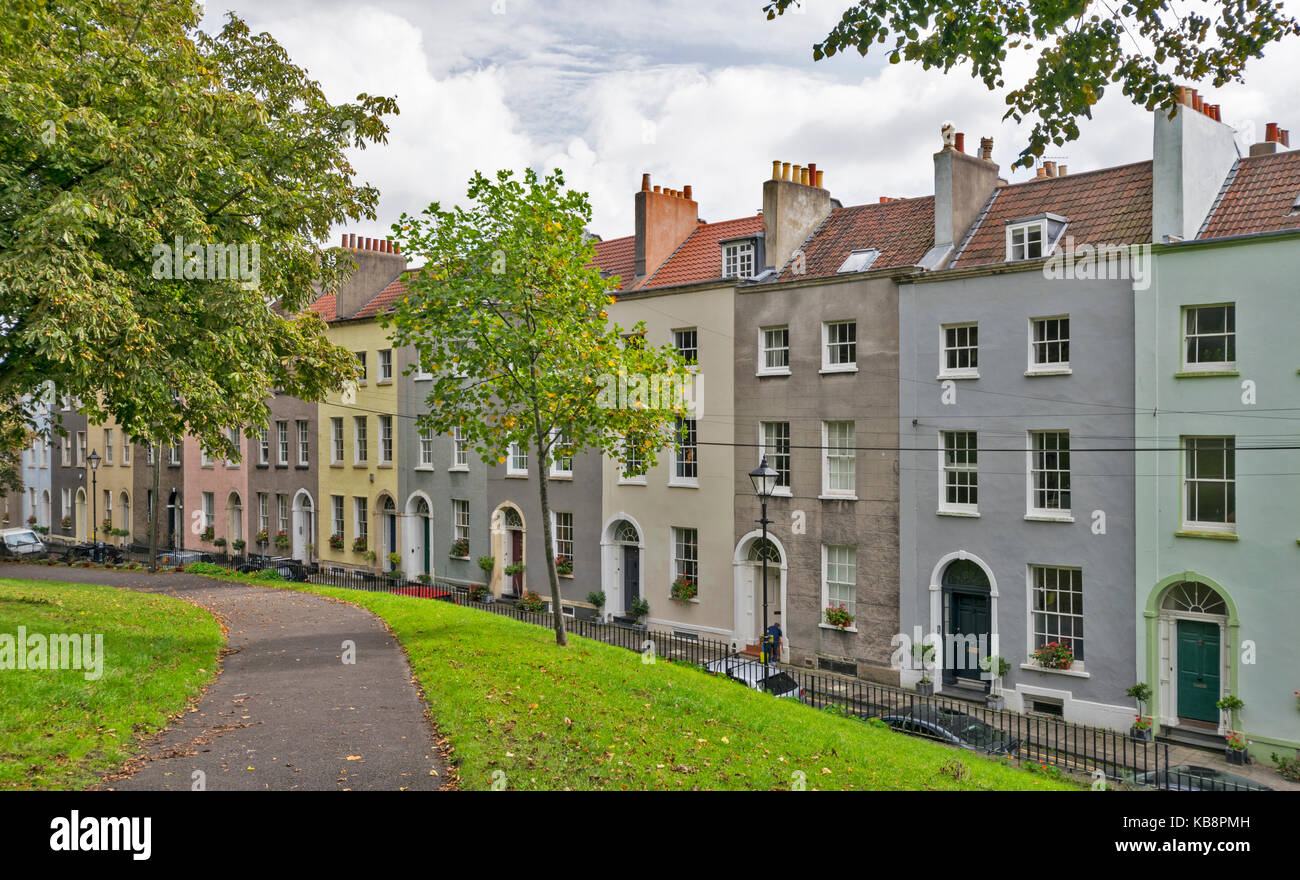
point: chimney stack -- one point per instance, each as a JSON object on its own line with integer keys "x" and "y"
{"x": 1049, "y": 168}
{"x": 664, "y": 219}
{"x": 986, "y": 149}
{"x": 378, "y": 262}
{"x": 962, "y": 187}
{"x": 1192, "y": 154}
{"x": 793, "y": 206}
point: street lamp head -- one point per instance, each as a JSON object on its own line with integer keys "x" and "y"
{"x": 93, "y": 459}
{"x": 764, "y": 479}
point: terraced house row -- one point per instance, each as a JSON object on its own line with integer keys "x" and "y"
{"x": 1048, "y": 421}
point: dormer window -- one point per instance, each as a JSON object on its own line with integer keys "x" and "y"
{"x": 738, "y": 258}
{"x": 859, "y": 261}
{"x": 1032, "y": 238}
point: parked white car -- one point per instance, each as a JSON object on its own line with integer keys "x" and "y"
{"x": 769, "y": 678}
{"x": 21, "y": 543}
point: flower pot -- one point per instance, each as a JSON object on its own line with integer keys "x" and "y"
{"x": 1142, "y": 734}
{"x": 995, "y": 701}
{"x": 925, "y": 688}
{"x": 1237, "y": 756}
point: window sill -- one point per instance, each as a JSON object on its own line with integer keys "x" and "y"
{"x": 361, "y": 464}
{"x": 424, "y": 468}
{"x": 281, "y": 467}
{"x": 825, "y": 497}
{"x": 261, "y": 467}
{"x": 422, "y": 378}
{"x": 461, "y": 558}
{"x": 1212, "y": 536}
{"x": 563, "y": 477}
{"x": 782, "y": 492}
{"x": 827, "y": 370}
{"x": 1050, "y": 517}
{"x": 958, "y": 374}
{"x": 640, "y": 482}
{"x": 972, "y": 514}
{"x": 384, "y": 382}
{"x": 516, "y": 476}
{"x": 1206, "y": 374}
{"x": 385, "y": 465}
{"x": 302, "y": 467}
{"x": 459, "y": 469}
{"x": 1075, "y": 671}
{"x": 695, "y": 601}
{"x": 560, "y": 575}
{"x": 762, "y": 373}
{"x": 843, "y": 629}
{"x": 1049, "y": 371}
{"x": 683, "y": 484}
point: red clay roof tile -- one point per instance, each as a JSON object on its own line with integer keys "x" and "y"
{"x": 902, "y": 230}
{"x": 1260, "y": 198}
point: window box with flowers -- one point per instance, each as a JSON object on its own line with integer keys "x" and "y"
{"x": 564, "y": 566}
{"x": 262, "y": 537}
{"x": 839, "y": 617}
{"x": 1054, "y": 655}
{"x": 684, "y": 589}
{"x": 460, "y": 548}
{"x": 282, "y": 540}
{"x": 1235, "y": 751}
{"x": 336, "y": 542}
{"x": 208, "y": 534}
{"x": 31, "y": 520}
{"x": 65, "y": 523}
{"x": 359, "y": 545}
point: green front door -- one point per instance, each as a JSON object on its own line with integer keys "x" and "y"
{"x": 1198, "y": 670}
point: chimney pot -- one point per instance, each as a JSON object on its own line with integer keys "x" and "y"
{"x": 397, "y": 248}
{"x": 812, "y": 172}
{"x": 776, "y": 169}
{"x": 687, "y": 191}
{"x": 1042, "y": 172}
{"x": 785, "y": 170}
{"x": 1271, "y": 132}
{"x": 986, "y": 149}
{"x": 1061, "y": 171}
{"x": 1197, "y": 104}
{"x": 1050, "y": 168}
{"x": 345, "y": 240}
{"x": 350, "y": 241}
{"x": 820, "y": 176}
{"x": 656, "y": 187}
{"x": 645, "y": 182}
{"x": 1285, "y": 135}
{"x": 960, "y": 142}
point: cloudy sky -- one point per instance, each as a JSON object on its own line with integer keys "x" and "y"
{"x": 700, "y": 92}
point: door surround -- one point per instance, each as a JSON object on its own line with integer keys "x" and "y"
{"x": 744, "y": 604}
{"x": 1162, "y": 648}
{"x": 611, "y": 561}
{"x": 937, "y": 598}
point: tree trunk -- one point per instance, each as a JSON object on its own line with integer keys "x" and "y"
{"x": 543, "y": 469}
{"x": 153, "y": 514}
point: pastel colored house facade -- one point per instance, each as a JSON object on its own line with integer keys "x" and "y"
{"x": 1218, "y": 478}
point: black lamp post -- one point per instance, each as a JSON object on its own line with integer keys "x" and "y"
{"x": 764, "y": 480}
{"x": 93, "y": 461}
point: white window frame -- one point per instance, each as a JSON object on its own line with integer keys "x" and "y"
{"x": 735, "y": 255}
{"x": 338, "y": 447}
{"x": 692, "y": 462}
{"x": 283, "y": 521}
{"x": 559, "y": 526}
{"x": 264, "y": 513}
{"x": 851, "y": 606}
{"x": 1019, "y": 251}
{"x": 1050, "y": 514}
{"x": 1048, "y": 368}
{"x": 1194, "y": 525}
{"x": 952, "y": 471}
{"x": 968, "y": 372}
{"x": 108, "y": 446}
{"x": 827, "y": 343}
{"x": 682, "y": 564}
{"x": 360, "y": 439}
{"x": 515, "y": 454}
{"x": 679, "y": 336}
{"x": 460, "y": 521}
{"x": 1224, "y": 366}
{"x": 209, "y": 500}
{"x": 1032, "y": 590}
{"x": 561, "y": 464}
{"x": 282, "y": 443}
{"x": 459, "y": 450}
{"x": 626, "y": 479}
{"x": 385, "y": 366}
{"x": 763, "y": 349}
{"x": 838, "y": 494}
{"x": 264, "y": 446}
{"x": 338, "y": 516}
{"x": 385, "y": 440}
{"x": 773, "y": 455}
{"x": 425, "y": 447}
{"x": 361, "y": 519}
{"x": 304, "y": 442}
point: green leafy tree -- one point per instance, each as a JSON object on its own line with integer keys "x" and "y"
{"x": 1146, "y": 47}
{"x": 127, "y": 131}
{"x": 510, "y": 315}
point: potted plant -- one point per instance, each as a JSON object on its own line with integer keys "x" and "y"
{"x": 639, "y": 608}
{"x": 839, "y": 617}
{"x": 532, "y": 602}
{"x": 370, "y": 556}
{"x": 336, "y": 542}
{"x": 66, "y": 523}
{"x": 1236, "y": 748}
{"x": 220, "y": 542}
{"x": 486, "y": 564}
{"x": 261, "y": 538}
{"x": 394, "y": 560}
{"x": 684, "y": 589}
{"x": 424, "y": 577}
{"x": 1054, "y": 655}
{"x": 359, "y": 544}
{"x": 106, "y": 526}
{"x": 564, "y": 566}
{"x": 597, "y": 599}
{"x": 478, "y": 592}
{"x": 996, "y": 667}
{"x": 514, "y": 568}
{"x": 238, "y": 546}
{"x": 1141, "y": 729}
{"x": 460, "y": 548}
{"x": 923, "y": 652}
{"x": 208, "y": 535}
{"x": 31, "y": 520}
{"x": 282, "y": 540}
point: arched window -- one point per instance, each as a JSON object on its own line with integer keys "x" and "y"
{"x": 626, "y": 533}
{"x": 760, "y": 549}
{"x": 1193, "y": 597}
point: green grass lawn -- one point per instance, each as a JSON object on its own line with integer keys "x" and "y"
{"x": 594, "y": 716}
{"x": 60, "y": 730}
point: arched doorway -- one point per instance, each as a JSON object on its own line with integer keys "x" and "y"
{"x": 621, "y": 549}
{"x": 234, "y": 520}
{"x": 174, "y": 514}
{"x": 124, "y": 501}
{"x": 419, "y": 536}
{"x": 388, "y": 514}
{"x": 44, "y": 515}
{"x": 1195, "y": 653}
{"x": 967, "y": 622}
{"x": 304, "y": 526}
{"x": 513, "y": 550}
{"x": 82, "y": 517}
{"x": 747, "y": 567}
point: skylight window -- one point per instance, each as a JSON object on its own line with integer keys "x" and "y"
{"x": 859, "y": 261}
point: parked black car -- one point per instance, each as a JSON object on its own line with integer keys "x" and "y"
{"x": 1191, "y": 777}
{"x": 93, "y": 553}
{"x": 289, "y": 569}
{"x": 954, "y": 727}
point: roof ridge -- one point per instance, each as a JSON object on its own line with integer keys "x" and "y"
{"x": 1106, "y": 170}
{"x": 1218, "y": 199}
